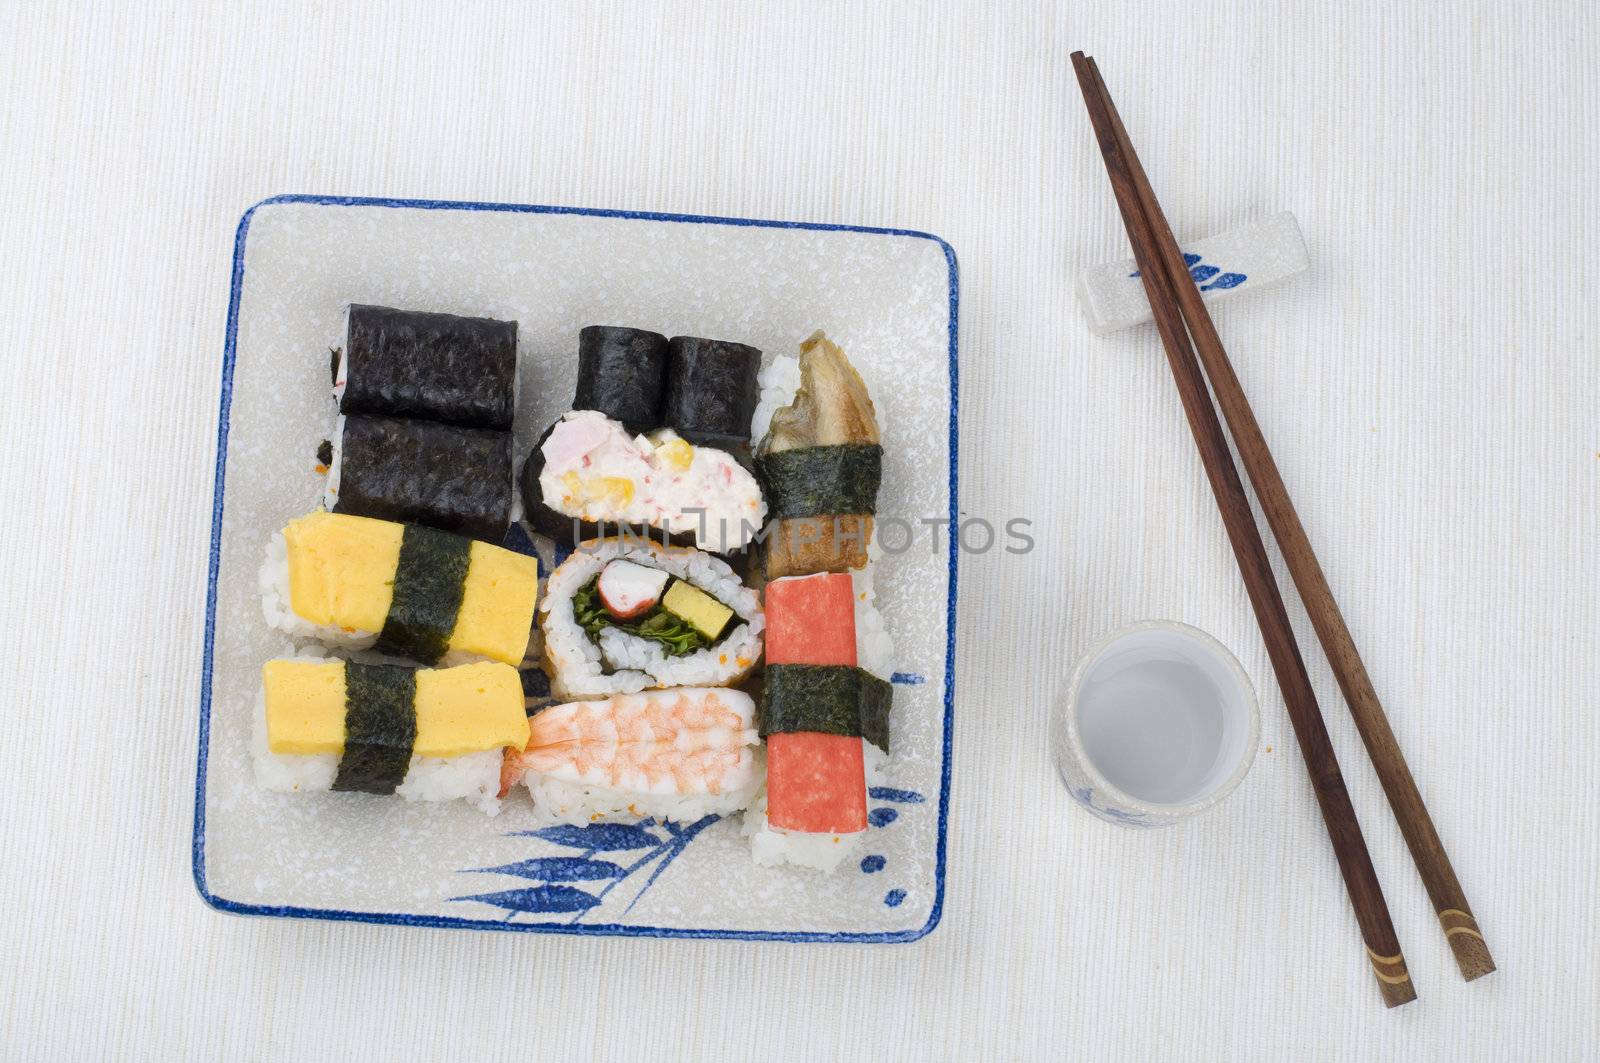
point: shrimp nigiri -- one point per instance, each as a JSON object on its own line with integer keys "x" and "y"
{"x": 640, "y": 753}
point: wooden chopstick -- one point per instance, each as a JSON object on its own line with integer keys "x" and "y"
{"x": 1427, "y": 851}
{"x": 1338, "y": 815}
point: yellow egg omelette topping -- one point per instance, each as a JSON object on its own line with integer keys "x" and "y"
{"x": 496, "y": 614}
{"x": 341, "y": 569}
{"x": 341, "y": 574}
{"x": 468, "y": 709}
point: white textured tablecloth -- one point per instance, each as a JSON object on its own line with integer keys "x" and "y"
{"x": 1430, "y": 391}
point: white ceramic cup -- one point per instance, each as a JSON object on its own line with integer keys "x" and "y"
{"x": 1157, "y": 723}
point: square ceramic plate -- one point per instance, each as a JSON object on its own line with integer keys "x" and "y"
{"x": 888, "y": 296}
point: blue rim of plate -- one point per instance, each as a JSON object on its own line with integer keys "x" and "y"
{"x": 608, "y": 929}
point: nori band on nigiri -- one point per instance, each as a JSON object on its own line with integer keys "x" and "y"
{"x": 828, "y": 699}
{"x": 429, "y": 582}
{"x": 711, "y": 391}
{"x": 380, "y": 727}
{"x": 622, "y": 372}
{"x": 821, "y": 481}
{"x": 407, "y": 363}
{"x": 421, "y": 472}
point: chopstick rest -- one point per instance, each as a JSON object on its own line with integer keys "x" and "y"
{"x": 1252, "y": 256}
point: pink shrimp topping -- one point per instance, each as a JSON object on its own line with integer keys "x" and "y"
{"x": 684, "y": 741}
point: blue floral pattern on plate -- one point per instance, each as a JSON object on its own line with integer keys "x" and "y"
{"x": 551, "y": 892}
{"x": 556, "y": 882}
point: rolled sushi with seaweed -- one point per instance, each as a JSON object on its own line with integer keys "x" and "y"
{"x": 418, "y": 364}
{"x": 676, "y": 755}
{"x": 419, "y": 734}
{"x": 622, "y": 373}
{"x": 711, "y": 390}
{"x": 589, "y": 474}
{"x": 624, "y": 614}
{"x": 401, "y": 589}
{"x": 422, "y": 472}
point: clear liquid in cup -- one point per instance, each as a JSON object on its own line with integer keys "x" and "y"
{"x": 1154, "y": 724}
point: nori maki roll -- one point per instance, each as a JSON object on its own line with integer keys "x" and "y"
{"x": 407, "y": 363}
{"x": 622, "y": 372}
{"x": 566, "y": 530}
{"x": 711, "y": 390}
{"x": 588, "y": 476}
{"x": 421, "y": 472}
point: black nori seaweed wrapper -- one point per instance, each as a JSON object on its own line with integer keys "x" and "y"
{"x": 430, "y": 580}
{"x": 827, "y": 698}
{"x": 622, "y": 372}
{"x": 421, "y": 472}
{"x": 380, "y": 724}
{"x": 547, "y": 520}
{"x": 877, "y": 697}
{"x": 821, "y": 481}
{"x": 711, "y": 391}
{"x": 406, "y": 363}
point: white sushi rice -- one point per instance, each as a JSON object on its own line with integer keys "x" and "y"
{"x": 273, "y": 582}
{"x": 778, "y": 382}
{"x": 772, "y": 846}
{"x": 563, "y": 801}
{"x": 474, "y": 777}
{"x": 578, "y": 666}
{"x": 874, "y": 646}
{"x": 330, "y": 487}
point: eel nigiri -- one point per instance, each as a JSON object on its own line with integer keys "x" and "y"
{"x": 821, "y": 464}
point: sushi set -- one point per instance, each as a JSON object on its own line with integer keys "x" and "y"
{"x": 616, "y": 664}
{"x": 621, "y": 613}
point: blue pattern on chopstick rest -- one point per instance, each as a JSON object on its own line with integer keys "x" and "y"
{"x": 1203, "y": 273}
